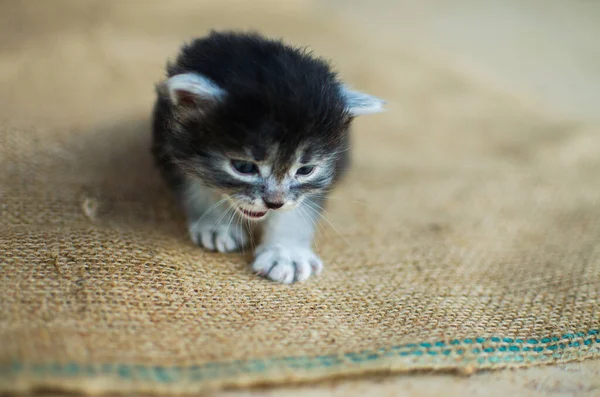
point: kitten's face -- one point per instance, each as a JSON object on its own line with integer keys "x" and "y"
{"x": 258, "y": 180}
{"x": 274, "y": 182}
{"x": 262, "y": 161}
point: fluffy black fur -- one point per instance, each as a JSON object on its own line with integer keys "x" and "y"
{"x": 276, "y": 94}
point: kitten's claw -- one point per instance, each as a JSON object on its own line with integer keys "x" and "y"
{"x": 221, "y": 238}
{"x": 286, "y": 264}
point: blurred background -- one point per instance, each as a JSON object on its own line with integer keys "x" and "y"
{"x": 545, "y": 52}
{"x": 498, "y": 65}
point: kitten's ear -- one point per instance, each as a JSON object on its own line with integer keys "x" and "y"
{"x": 191, "y": 90}
{"x": 358, "y": 103}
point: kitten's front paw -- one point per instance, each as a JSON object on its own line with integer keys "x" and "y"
{"x": 220, "y": 237}
{"x": 286, "y": 264}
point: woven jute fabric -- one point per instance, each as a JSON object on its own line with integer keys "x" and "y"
{"x": 465, "y": 237}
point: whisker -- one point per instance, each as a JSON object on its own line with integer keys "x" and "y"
{"x": 251, "y": 234}
{"x": 243, "y": 223}
{"x": 314, "y": 220}
{"x": 325, "y": 196}
{"x": 240, "y": 229}
{"x": 233, "y": 214}
{"x": 240, "y": 224}
{"x": 326, "y": 220}
{"x": 218, "y": 221}
{"x": 306, "y": 215}
{"x": 209, "y": 210}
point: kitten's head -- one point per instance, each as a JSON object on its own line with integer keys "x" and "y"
{"x": 260, "y": 122}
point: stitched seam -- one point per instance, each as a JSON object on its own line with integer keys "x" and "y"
{"x": 492, "y": 350}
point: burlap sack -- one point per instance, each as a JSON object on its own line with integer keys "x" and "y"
{"x": 466, "y": 236}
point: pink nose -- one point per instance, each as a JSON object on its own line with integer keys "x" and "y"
{"x": 273, "y": 205}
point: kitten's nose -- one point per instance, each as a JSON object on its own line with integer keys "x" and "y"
{"x": 273, "y": 205}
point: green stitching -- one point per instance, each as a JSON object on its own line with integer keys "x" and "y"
{"x": 509, "y": 346}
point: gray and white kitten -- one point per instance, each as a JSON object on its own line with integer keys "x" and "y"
{"x": 248, "y": 129}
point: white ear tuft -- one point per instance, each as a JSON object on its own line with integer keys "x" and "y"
{"x": 192, "y": 89}
{"x": 359, "y": 104}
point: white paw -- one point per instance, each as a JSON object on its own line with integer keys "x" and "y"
{"x": 220, "y": 237}
{"x": 286, "y": 263}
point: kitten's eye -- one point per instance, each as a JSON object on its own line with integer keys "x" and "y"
{"x": 244, "y": 167}
{"x": 306, "y": 170}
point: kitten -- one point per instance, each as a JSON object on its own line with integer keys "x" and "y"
{"x": 247, "y": 128}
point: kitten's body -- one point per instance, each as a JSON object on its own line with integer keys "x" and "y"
{"x": 249, "y": 129}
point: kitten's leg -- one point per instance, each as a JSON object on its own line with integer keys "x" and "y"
{"x": 285, "y": 253}
{"x": 212, "y": 222}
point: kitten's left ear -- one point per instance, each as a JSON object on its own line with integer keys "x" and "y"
{"x": 192, "y": 91}
{"x": 358, "y": 103}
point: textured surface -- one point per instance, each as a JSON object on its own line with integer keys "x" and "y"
{"x": 465, "y": 237}
{"x": 566, "y": 380}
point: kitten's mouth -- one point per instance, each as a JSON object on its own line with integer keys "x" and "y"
{"x": 252, "y": 214}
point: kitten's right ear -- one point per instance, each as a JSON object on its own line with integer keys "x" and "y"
{"x": 191, "y": 91}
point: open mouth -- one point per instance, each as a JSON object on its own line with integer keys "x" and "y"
{"x": 253, "y": 214}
